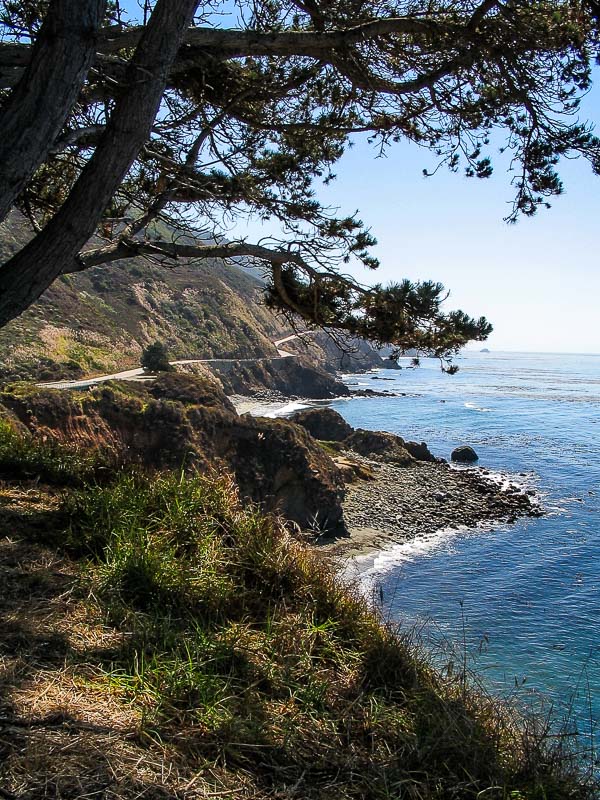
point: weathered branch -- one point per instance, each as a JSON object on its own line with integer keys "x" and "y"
{"x": 232, "y": 42}
{"x": 82, "y": 137}
{"x": 129, "y": 248}
{"x": 36, "y": 110}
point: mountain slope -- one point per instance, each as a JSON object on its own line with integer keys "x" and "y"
{"x": 101, "y": 319}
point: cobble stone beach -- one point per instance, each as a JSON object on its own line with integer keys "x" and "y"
{"x": 403, "y": 502}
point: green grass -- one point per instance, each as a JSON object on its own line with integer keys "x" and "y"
{"x": 331, "y": 448}
{"x": 25, "y": 457}
{"x": 242, "y": 648}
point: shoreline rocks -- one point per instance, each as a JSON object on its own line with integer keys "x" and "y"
{"x": 401, "y": 503}
{"x": 397, "y": 490}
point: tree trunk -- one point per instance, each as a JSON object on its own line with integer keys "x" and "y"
{"x": 29, "y": 273}
{"x": 37, "y": 108}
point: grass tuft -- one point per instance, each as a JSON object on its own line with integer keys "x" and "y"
{"x": 23, "y": 457}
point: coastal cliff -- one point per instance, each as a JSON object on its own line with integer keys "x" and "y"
{"x": 329, "y": 488}
{"x": 180, "y": 421}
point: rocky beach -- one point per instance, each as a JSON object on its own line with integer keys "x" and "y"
{"x": 401, "y": 503}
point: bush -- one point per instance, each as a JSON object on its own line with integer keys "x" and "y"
{"x": 155, "y": 358}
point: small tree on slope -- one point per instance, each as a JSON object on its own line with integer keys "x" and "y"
{"x": 155, "y": 358}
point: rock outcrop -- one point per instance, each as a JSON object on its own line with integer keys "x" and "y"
{"x": 290, "y": 376}
{"x": 182, "y": 421}
{"x": 189, "y": 390}
{"x": 464, "y": 455}
{"x": 324, "y": 423}
{"x": 379, "y": 445}
{"x": 329, "y": 426}
{"x": 419, "y": 451}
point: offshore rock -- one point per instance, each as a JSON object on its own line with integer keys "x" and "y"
{"x": 464, "y": 455}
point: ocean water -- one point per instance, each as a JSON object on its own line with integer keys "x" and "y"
{"x": 521, "y": 603}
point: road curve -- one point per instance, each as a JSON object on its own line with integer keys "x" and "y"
{"x": 286, "y": 353}
{"x": 139, "y": 374}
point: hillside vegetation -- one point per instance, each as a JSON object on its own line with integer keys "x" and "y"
{"x": 99, "y": 321}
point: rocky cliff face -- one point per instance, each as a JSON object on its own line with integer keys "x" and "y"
{"x": 184, "y": 421}
{"x": 326, "y": 424}
{"x": 339, "y": 352}
{"x": 289, "y": 376}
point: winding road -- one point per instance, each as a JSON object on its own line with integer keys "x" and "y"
{"x": 139, "y": 374}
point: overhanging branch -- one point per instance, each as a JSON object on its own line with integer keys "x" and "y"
{"x": 174, "y": 251}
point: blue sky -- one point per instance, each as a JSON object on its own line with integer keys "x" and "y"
{"x": 538, "y": 281}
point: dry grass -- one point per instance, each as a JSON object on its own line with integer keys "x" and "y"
{"x": 165, "y": 642}
{"x": 63, "y": 731}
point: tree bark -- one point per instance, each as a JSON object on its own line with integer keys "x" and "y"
{"x": 29, "y": 273}
{"x": 38, "y": 106}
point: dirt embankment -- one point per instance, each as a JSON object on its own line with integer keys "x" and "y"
{"x": 180, "y": 421}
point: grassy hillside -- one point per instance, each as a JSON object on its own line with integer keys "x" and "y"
{"x": 160, "y": 640}
{"x": 99, "y": 320}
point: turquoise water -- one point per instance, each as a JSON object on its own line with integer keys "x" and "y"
{"x": 526, "y": 598}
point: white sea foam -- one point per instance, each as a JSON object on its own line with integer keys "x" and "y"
{"x": 419, "y": 547}
{"x": 370, "y": 566}
{"x": 474, "y": 407}
{"x": 286, "y": 410}
{"x": 504, "y": 480}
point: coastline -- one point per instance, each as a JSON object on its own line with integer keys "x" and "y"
{"x": 273, "y": 405}
{"x": 403, "y": 504}
{"x": 400, "y": 504}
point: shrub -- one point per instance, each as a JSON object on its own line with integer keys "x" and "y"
{"x": 155, "y": 358}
